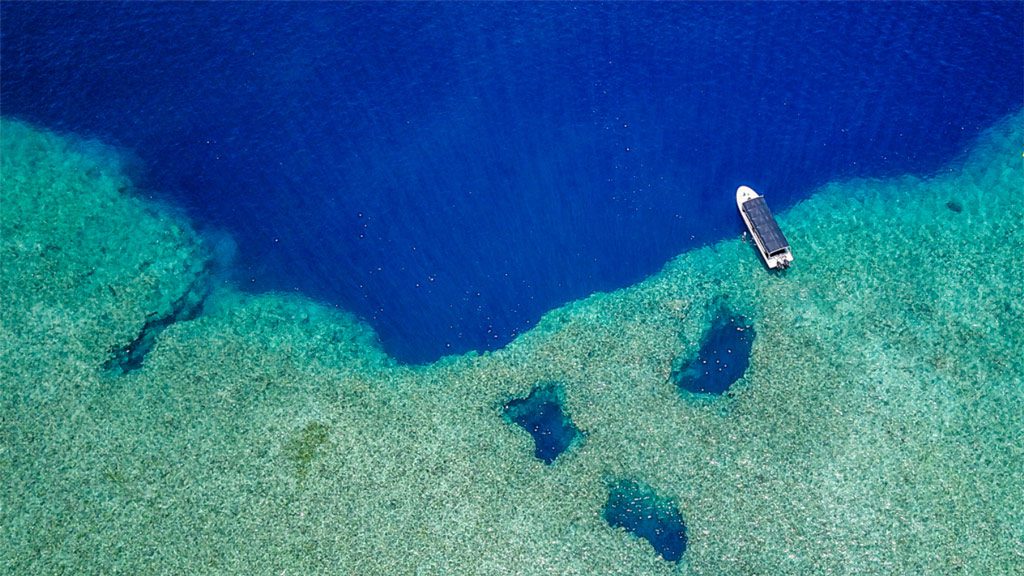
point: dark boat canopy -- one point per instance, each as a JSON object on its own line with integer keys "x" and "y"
{"x": 764, "y": 225}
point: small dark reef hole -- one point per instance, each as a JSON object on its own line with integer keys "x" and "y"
{"x": 543, "y": 416}
{"x": 955, "y": 206}
{"x": 722, "y": 359}
{"x": 637, "y": 508}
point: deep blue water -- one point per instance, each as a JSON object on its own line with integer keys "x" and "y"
{"x": 449, "y": 172}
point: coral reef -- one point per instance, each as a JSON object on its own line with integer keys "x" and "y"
{"x": 875, "y": 432}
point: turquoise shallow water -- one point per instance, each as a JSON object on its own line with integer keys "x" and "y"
{"x": 874, "y": 430}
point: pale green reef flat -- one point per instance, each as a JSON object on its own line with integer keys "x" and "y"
{"x": 878, "y": 429}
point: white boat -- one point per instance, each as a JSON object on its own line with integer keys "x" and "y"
{"x": 763, "y": 228}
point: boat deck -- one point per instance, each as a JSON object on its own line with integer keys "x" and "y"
{"x": 763, "y": 224}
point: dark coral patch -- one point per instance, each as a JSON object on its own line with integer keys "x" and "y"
{"x": 637, "y": 508}
{"x": 304, "y": 446}
{"x": 542, "y": 414}
{"x": 955, "y": 206}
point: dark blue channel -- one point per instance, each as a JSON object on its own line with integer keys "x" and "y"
{"x": 543, "y": 415}
{"x": 636, "y": 507}
{"x": 451, "y": 171}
